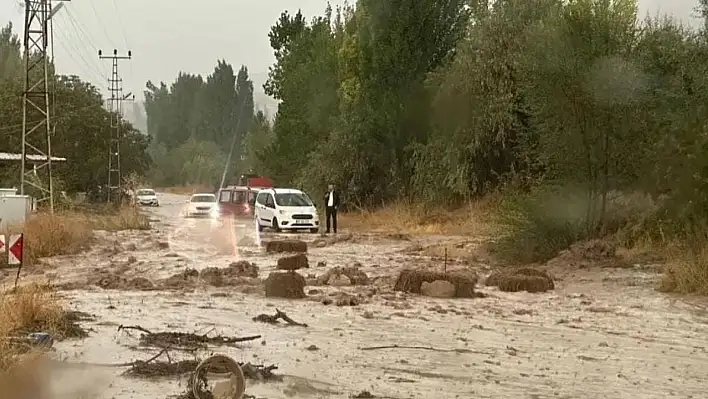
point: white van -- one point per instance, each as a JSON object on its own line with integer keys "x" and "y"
{"x": 285, "y": 208}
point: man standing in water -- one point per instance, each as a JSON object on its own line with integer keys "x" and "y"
{"x": 332, "y": 203}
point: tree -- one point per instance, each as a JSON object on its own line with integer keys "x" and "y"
{"x": 81, "y": 131}
{"x": 194, "y": 116}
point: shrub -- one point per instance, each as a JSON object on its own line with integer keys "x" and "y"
{"x": 539, "y": 224}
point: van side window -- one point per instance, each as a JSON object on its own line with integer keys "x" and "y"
{"x": 261, "y": 199}
{"x": 225, "y": 196}
{"x": 270, "y": 202}
{"x": 239, "y": 197}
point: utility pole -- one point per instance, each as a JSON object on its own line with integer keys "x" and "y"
{"x": 115, "y": 106}
{"x": 36, "y": 118}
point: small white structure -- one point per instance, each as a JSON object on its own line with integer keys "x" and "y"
{"x": 7, "y": 191}
{"x": 14, "y": 209}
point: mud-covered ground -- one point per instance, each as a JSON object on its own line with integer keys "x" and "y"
{"x": 603, "y": 333}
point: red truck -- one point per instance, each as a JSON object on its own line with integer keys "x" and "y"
{"x": 239, "y": 200}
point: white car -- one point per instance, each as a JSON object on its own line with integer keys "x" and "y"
{"x": 202, "y": 205}
{"x": 285, "y": 208}
{"x": 146, "y": 197}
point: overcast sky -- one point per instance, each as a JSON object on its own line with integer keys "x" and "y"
{"x": 168, "y": 36}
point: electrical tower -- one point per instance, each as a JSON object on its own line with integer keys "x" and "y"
{"x": 115, "y": 106}
{"x": 36, "y": 119}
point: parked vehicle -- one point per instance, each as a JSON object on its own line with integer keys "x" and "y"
{"x": 202, "y": 205}
{"x": 285, "y": 208}
{"x": 239, "y": 200}
{"x": 146, "y": 197}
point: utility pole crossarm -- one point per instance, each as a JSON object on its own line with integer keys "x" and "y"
{"x": 115, "y": 106}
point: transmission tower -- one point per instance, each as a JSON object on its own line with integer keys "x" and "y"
{"x": 115, "y": 106}
{"x": 36, "y": 118}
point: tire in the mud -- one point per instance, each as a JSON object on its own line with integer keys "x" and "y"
{"x": 286, "y": 246}
{"x": 410, "y": 280}
{"x": 524, "y": 279}
{"x": 293, "y": 262}
{"x": 289, "y": 285}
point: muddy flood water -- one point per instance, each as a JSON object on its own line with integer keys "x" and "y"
{"x": 602, "y": 333}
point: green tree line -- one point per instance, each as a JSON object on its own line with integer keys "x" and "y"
{"x": 196, "y": 122}
{"x": 567, "y": 106}
{"x": 80, "y": 133}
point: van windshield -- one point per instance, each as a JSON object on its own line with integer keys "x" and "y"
{"x": 292, "y": 199}
{"x": 203, "y": 198}
{"x": 146, "y": 192}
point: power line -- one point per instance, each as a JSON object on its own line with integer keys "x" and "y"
{"x": 116, "y": 100}
{"x": 100, "y": 22}
{"x": 66, "y": 115}
{"x": 125, "y": 35}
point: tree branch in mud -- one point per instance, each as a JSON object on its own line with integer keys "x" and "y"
{"x": 264, "y": 318}
{"x": 134, "y": 363}
{"x": 183, "y": 340}
{"x": 256, "y": 372}
{"x": 427, "y": 348}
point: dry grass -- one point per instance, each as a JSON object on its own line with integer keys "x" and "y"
{"x": 70, "y": 232}
{"x": 28, "y": 309}
{"x": 186, "y": 190}
{"x": 686, "y": 270}
{"x": 473, "y": 219}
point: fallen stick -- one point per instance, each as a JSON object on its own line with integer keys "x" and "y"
{"x": 264, "y": 318}
{"x": 126, "y": 364}
{"x": 139, "y": 328}
{"x": 427, "y": 348}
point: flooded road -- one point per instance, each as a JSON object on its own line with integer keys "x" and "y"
{"x": 602, "y": 333}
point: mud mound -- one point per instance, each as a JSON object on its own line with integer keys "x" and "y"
{"x": 213, "y": 276}
{"x": 236, "y": 273}
{"x": 140, "y": 284}
{"x": 525, "y": 283}
{"x": 355, "y": 276}
{"x": 524, "y": 279}
{"x": 294, "y": 262}
{"x": 410, "y": 280}
{"x": 285, "y": 285}
{"x": 243, "y": 268}
{"x": 113, "y": 281}
{"x": 109, "y": 281}
{"x": 325, "y": 241}
{"x": 593, "y": 253}
{"x": 286, "y": 246}
{"x": 185, "y": 279}
{"x": 495, "y": 278}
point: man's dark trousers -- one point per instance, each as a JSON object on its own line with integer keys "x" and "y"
{"x": 331, "y": 212}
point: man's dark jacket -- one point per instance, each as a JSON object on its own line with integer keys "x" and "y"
{"x": 336, "y": 199}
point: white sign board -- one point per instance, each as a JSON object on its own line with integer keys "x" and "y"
{"x": 14, "y": 252}
{"x": 2, "y": 244}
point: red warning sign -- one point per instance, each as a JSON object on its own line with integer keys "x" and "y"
{"x": 14, "y": 253}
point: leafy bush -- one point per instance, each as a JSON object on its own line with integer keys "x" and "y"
{"x": 535, "y": 226}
